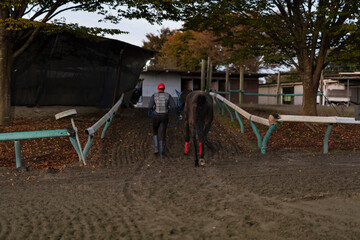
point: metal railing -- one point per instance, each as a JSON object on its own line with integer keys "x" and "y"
{"x": 106, "y": 119}
{"x": 70, "y": 132}
{"x": 223, "y": 104}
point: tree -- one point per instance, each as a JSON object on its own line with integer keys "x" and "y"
{"x": 156, "y": 43}
{"x": 298, "y": 33}
{"x": 347, "y": 58}
{"x": 185, "y": 49}
{"x": 22, "y": 20}
{"x": 181, "y": 51}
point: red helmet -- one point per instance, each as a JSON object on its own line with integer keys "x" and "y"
{"x": 161, "y": 86}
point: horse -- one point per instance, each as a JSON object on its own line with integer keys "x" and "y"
{"x": 199, "y": 114}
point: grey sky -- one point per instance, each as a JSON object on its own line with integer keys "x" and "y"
{"x": 137, "y": 28}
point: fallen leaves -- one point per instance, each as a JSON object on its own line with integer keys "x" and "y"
{"x": 43, "y": 153}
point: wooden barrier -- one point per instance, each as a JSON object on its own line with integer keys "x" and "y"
{"x": 106, "y": 119}
{"x": 281, "y": 118}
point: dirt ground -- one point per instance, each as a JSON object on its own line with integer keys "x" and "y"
{"x": 125, "y": 192}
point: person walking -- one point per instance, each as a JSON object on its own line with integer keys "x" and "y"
{"x": 160, "y": 103}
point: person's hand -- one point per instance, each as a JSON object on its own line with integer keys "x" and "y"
{"x": 150, "y": 112}
{"x": 179, "y": 110}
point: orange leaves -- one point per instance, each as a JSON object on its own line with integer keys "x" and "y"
{"x": 48, "y": 153}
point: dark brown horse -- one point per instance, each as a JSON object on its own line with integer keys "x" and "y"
{"x": 198, "y": 109}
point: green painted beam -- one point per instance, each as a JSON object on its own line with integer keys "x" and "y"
{"x": 229, "y": 110}
{"x": 17, "y": 154}
{"x": 240, "y": 121}
{"x": 267, "y": 95}
{"x": 266, "y": 138}
{"x": 257, "y": 134}
{"x": 326, "y": 138}
{"x": 33, "y": 134}
{"x": 220, "y": 105}
{"x": 88, "y": 145}
{"x": 107, "y": 125}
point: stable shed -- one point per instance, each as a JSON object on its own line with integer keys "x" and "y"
{"x": 342, "y": 88}
{"x": 181, "y": 80}
{"x": 65, "y": 69}
{"x": 339, "y": 88}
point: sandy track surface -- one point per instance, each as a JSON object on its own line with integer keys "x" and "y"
{"x": 125, "y": 192}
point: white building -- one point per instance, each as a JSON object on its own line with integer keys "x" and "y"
{"x": 180, "y": 80}
{"x": 151, "y": 79}
{"x": 285, "y": 88}
{"x": 341, "y": 88}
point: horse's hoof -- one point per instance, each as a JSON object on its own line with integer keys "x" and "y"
{"x": 202, "y": 162}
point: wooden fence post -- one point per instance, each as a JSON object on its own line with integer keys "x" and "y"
{"x": 209, "y": 73}
{"x": 202, "y": 88}
{"x": 278, "y": 98}
{"x": 227, "y": 83}
{"x": 241, "y": 94}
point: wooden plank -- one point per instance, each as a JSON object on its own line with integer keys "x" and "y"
{"x": 260, "y": 120}
{"x": 347, "y": 120}
{"x": 91, "y": 130}
{"x": 233, "y": 106}
{"x": 313, "y": 119}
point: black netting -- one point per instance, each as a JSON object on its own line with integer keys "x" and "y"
{"x": 65, "y": 70}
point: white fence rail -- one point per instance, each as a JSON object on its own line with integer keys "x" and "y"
{"x": 282, "y": 118}
{"x": 107, "y": 118}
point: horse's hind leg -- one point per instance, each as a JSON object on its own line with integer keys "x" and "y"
{"x": 201, "y": 152}
{"x": 206, "y": 131}
{"x": 187, "y": 138}
{"x": 195, "y": 148}
{"x": 202, "y": 140}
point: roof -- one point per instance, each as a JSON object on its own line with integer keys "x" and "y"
{"x": 343, "y": 76}
{"x": 197, "y": 74}
{"x": 70, "y": 70}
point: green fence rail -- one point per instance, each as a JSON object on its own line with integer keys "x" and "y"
{"x": 106, "y": 119}
{"x": 223, "y": 103}
{"x": 264, "y": 94}
{"x": 17, "y": 136}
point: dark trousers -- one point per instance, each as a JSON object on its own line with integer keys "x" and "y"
{"x": 160, "y": 123}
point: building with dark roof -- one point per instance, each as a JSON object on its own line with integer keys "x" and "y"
{"x": 181, "y": 80}
{"x": 65, "y": 69}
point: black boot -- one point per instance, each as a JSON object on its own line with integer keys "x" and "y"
{"x": 162, "y": 148}
{"x": 156, "y": 144}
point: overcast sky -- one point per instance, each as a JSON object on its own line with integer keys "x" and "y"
{"x": 137, "y": 28}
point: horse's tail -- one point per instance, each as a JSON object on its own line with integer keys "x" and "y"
{"x": 200, "y": 115}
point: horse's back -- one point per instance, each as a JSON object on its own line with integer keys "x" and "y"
{"x": 199, "y": 105}
{"x": 199, "y": 95}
